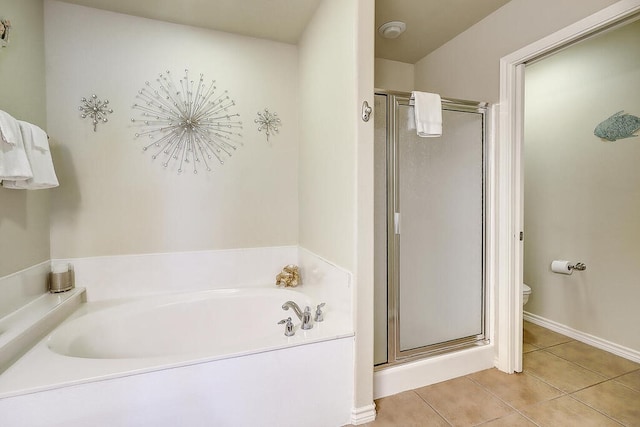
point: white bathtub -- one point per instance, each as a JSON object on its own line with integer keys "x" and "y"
{"x": 213, "y": 357}
{"x": 211, "y": 324}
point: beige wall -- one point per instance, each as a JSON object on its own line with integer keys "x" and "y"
{"x": 467, "y": 67}
{"x": 24, "y": 215}
{"x": 113, "y": 198}
{"x": 363, "y": 292}
{"x": 394, "y": 75}
{"x": 582, "y": 195}
{"x": 328, "y": 135}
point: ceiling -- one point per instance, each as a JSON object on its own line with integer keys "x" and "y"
{"x": 279, "y": 20}
{"x": 430, "y": 23}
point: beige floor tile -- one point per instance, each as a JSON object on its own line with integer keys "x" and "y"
{"x": 518, "y": 390}
{"x": 526, "y": 347}
{"x": 566, "y": 412}
{"x": 614, "y": 399}
{"x": 513, "y": 420}
{"x": 462, "y": 402}
{"x": 631, "y": 380}
{"x": 558, "y": 372}
{"x": 592, "y": 358}
{"x": 405, "y": 409}
{"x": 541, "y": 337}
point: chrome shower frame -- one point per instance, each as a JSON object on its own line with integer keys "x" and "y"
{"x": 395, "y": 355}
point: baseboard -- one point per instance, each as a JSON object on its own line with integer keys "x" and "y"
{"x": 363, "y": 414}
{"x": 592, "y": 340}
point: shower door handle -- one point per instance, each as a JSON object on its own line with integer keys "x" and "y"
{"x": 396, "y": 222}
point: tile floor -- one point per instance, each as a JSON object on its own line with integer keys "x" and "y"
{"x": 564, "y": 383}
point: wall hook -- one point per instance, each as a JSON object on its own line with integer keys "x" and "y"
{"x": 366, "y": 111}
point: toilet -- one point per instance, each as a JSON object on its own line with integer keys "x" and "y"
{"x": 526, "y": 291}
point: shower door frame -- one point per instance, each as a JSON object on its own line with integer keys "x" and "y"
{"x": 395, "y": 355}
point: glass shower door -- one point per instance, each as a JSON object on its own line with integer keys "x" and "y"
{"x": 439, "y": 232}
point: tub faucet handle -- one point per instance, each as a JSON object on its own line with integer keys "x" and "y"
{"x": 306, "y": 318}
{"x": 288, "y": 326}
{"x": 319, "y": 317}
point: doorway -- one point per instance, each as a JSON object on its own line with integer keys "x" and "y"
{"x": 509, "y": 196}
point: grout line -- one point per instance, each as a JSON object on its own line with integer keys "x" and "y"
{"x": 623, "y": 384}
{"x": 562, "y": 394}
{"x": 446, "y": 420}
{"x": 533, "y": 374}
{"x": 590, "y": 369}
{"x": 596, "y": 409}
{"x": 573, "y": 363}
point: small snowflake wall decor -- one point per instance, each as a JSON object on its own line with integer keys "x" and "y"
{"x": 268, "y": 122}
{"x": 188, "y": 123}
{"x": 95, "y": 109}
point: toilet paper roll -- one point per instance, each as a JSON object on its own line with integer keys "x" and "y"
{"x": 560, "y": 266}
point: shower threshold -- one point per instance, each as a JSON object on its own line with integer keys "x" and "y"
{"x": 413, "y": 355}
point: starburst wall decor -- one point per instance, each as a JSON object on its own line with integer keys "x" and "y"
{"x": 268, "y": 122}
{"x": 95, "y": 109}
{"x": 189, "y": 125}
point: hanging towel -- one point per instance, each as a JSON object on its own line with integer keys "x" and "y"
{"x": 14, "y": 164}
{"x": 9, "y": 130}
{"x": 428, "y": 113}
{"x": 37, "y": 148}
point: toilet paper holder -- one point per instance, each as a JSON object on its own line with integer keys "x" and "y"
{"x": 566, "y": 267}
{"x": 580, "y": 266}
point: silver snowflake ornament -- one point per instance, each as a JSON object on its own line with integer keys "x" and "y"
{"x": 268, "y": 122}
{"x": 95, "y": 109}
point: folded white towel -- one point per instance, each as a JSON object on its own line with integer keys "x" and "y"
{"x": 9, "y": 129}
{"x": 37, "y": 148}
{"x": 14, "y": 164}
{"x": 428, "y": 113}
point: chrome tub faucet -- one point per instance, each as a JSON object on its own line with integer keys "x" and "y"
{"x": 305, "y": 317}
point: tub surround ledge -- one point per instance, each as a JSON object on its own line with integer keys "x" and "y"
{"x": 22, "y": 329}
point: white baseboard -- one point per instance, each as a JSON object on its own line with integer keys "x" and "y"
{"x": 363, "y": 414}
{"x": 592, "y": 340}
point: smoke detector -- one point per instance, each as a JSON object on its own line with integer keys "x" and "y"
{"x": 392, "y": 30}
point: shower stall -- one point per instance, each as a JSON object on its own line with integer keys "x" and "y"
{"x": 429, "y": 231}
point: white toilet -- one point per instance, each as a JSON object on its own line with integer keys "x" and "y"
{"x": 526, "y": 291}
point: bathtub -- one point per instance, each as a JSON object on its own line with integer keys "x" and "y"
{"x": 211, "y": 324}
{"x": 216, "y": 357}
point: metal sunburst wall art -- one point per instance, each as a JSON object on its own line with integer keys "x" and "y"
{"x": 188, "y": 125}
{"x": 95, "y": 109}
{"x": 268, "y": 122}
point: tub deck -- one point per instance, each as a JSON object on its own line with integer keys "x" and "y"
{"x": 21, "y": 329}
{"x": 42, "y": 368}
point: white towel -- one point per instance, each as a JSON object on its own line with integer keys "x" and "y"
{"x": 37, "y": 148}
{"x": 14, "y": 164}
{"x": 9, "y": 129}
{"x": 428, "y": 113}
